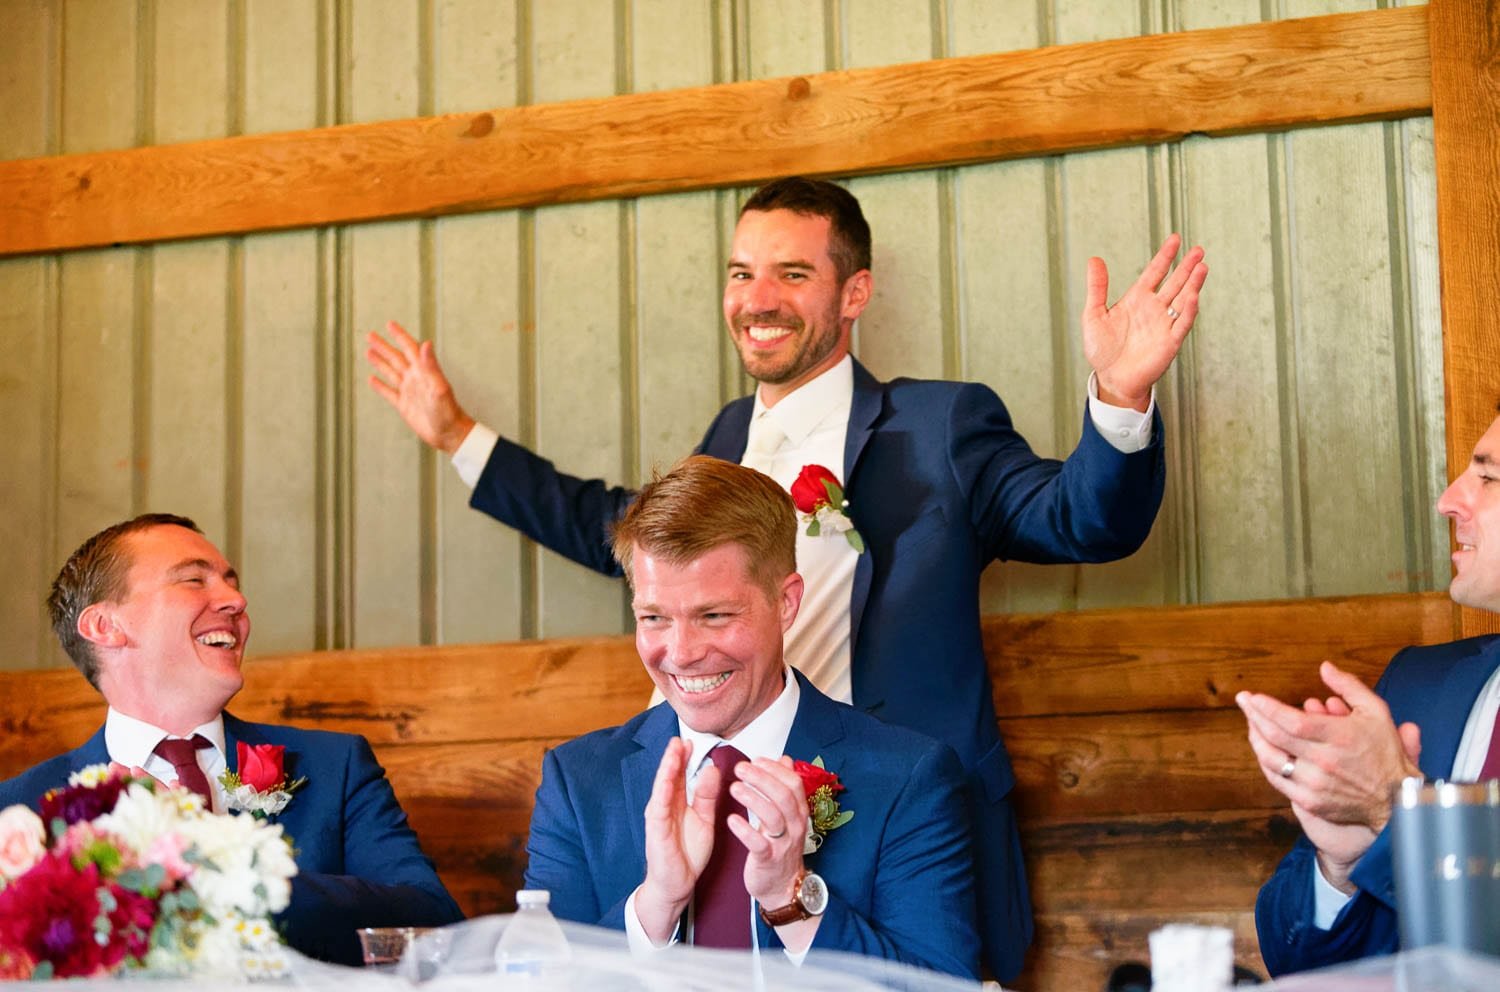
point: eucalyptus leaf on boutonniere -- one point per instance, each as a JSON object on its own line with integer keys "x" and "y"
{"x": 259, "y": 787}
{"x": 820, "y": 498}
{"x": 821, "y": 787}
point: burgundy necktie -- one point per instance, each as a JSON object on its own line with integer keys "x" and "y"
{"x": 183, "y": 756}
{"x": 1491, "y": 767}
{"x": 721, "y": 905}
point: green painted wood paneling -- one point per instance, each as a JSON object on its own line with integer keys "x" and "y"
{"x": 483, "y": 571}
{"x": 225, "y": 378}
{"x": 29, "y": 35}
{"x": 285, "y": 313}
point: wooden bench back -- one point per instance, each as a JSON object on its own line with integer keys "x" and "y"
{"x": 1138, "y": 797}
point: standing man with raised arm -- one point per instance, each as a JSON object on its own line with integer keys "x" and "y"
{"x": 936, "y": 476}
{"x": 1433, "y": 713}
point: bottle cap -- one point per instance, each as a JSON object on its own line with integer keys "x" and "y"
{"x": 531, "y": 898}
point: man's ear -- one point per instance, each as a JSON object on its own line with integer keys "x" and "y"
{"x": 789, "y": 600}
{"x": 97, "y": 625}
{"x": 856, "y": 294}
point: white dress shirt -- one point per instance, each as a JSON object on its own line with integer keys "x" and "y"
{"x": 809, "y": 427}
{"x": 763, "y": 737}
{"x": 133, "y": 742}
{"x": 1468, "y": 762}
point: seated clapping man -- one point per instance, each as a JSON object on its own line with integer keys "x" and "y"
{"x": 691, "y": 822}
{"x": 153, "y": 617}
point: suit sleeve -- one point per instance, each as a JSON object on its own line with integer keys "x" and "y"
{"x": 571, "y": 516}
{"x": 1365, "y": 927}
{"x": 1289, "y": 941}
{"x": 387, "y": 880}
{"x": 923, "y": 909}
{"x": 1097, "y": 505}
{"x": 555, "y": 855}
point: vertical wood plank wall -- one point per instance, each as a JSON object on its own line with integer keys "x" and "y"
{"x": 224, "y": 378}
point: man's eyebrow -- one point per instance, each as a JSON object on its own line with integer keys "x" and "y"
{"x": 1483, "y": 458}
{"x": 796, "y": 263}
{"x": 201, "y": 564}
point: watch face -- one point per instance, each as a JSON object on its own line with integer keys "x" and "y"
{"x": 813, "y": 894}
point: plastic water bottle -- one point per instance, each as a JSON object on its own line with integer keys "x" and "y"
{"x": 533, "y": 953}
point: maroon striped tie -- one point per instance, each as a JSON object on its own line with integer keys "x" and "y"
{"x": 721, "y": 904}
{"x": 183, "y": 754}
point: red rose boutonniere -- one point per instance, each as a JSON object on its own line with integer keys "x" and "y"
{"x": 819, "y": 496}
{"x": 260, "y": 787}
{"x": 823, "y": 814}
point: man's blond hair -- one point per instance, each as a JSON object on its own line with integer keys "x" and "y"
{"x": 704, "y": 503}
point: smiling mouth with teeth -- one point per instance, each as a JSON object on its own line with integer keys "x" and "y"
{"x": 693, "y": 684}
{"x": 218, "y": 639}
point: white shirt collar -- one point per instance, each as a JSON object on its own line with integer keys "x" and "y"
{"x": 763, "y": 737}
{"x": 131, "y": 741}
{"x": 813, "y": 403}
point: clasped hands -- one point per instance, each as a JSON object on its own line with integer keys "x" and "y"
{"x": 1336, "y": 760}
{"x": 680, "y": 836}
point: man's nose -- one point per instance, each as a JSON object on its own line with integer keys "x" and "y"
{"x": 230, "y": 599}
{"x": 1451, "y": 503}
{"x": 762, "y": 296}
{"x": 685, "y": 645}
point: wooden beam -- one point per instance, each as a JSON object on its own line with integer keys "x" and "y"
{"x": 1465, "y": 122}
{"x": 1320, "y": 70}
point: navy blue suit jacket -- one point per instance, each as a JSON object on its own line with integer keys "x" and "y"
{"x": 358, "y": 863}
{"x": 939, "y": 484}
{"x": 1435, "y": 688}
{"x": 899, "y": 874}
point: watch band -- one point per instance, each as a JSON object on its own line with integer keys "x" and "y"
{"x": 792, "y": 911}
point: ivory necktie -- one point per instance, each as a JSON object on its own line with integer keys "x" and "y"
{"x": 721, "y": 904}
{"x": 183, "y": 754}
{"x": 761, "y": 446}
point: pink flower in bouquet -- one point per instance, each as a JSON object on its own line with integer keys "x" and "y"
{"x": 167, "y": 850}
{"x": 22, "y": 841}
{"x": 261, "y": 765}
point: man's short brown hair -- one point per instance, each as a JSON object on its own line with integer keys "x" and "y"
{"x": 703, "y": 503}
{"x": 848, "y": 231}
{"x": 96, "y": 573}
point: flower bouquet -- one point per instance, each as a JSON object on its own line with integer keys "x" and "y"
{"x": 121, "y": 873}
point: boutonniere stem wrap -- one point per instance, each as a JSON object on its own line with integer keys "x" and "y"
{"x": 260, "y": 787}
{"x": 820, "y": 498}
{"x": 821, "y": 787}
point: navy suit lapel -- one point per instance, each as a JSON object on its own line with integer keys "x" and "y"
{"x": 91, "y": 752}
{"x": 731, "y": 432}
{"x": 638, "y": 770}
{"x": 1461, "y": 686}
{"x": 864, "y": 408}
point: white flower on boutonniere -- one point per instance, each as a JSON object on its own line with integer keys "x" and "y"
{"x": 820, "y": 498}
{"x": 260, "y": 787}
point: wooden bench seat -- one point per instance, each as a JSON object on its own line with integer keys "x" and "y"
{"x": 1138, "y": 797}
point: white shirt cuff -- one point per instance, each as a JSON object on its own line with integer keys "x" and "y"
{"x": 635, "y": 934}
{"x": 474, "y": 453}
{"x": 1126, "y": 430}
{"x": 1327, "y": 900}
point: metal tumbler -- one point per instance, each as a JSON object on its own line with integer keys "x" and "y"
{"x": 1445, "y": 849}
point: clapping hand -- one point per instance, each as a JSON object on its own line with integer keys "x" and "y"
{"x": 679, "y": 840}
